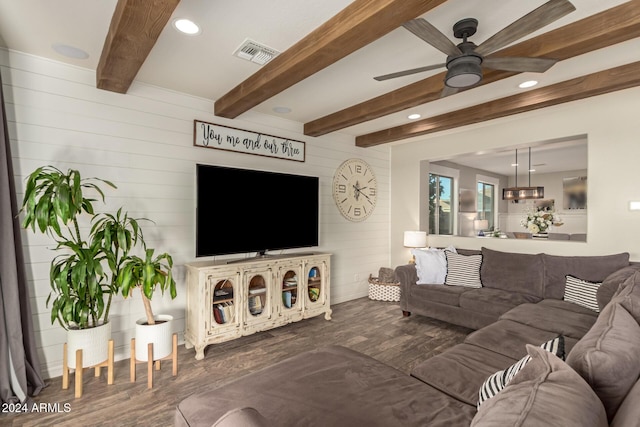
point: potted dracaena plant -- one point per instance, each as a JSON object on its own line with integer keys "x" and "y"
{"x": 148, "y": 274}
{"x": 86, "y": 271}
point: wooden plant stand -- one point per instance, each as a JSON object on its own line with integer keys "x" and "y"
{"x": 79, "y": 370}
{"x": 173, "y": 356}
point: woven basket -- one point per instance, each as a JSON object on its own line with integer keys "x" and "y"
{"x": 381, "y": 291}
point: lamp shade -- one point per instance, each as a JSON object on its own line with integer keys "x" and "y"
{"x": 415, "y": 239}
{"x": 480, "y": 224}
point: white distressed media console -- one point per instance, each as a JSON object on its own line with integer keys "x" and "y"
{"x": 229, "y": 299}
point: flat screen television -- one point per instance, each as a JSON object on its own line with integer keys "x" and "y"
{"x": 243, "y": 210}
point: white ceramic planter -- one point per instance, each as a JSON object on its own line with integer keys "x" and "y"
{"x": 94, "y": 343}
{"x": 159, "y": 334}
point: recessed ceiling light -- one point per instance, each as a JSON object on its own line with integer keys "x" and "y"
{"x": 282, "y": 110}
{"x": 528, "y": 84}
{"x": 414, "y": 116}
{"x": 514, "y": 164}
{"x": 69, "y": 51}
{"x": 186, "y": 26}
{"x": 532, "y": 170}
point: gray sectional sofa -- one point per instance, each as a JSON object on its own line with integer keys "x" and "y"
{"x": 335, "y": 386}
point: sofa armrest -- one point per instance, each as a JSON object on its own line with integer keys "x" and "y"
{"x": 407, "y": 275}
{"x": 612, "y": 283}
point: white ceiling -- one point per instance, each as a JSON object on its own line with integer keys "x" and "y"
{"x": 203, "y": 65}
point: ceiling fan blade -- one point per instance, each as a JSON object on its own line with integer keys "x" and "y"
{"x": 519, "y": 64}
{"x": 408, "y": 72}
{"x": 533, "y": 21}
{"x": 448, "y": 91}
{"x": 432, "y": 35}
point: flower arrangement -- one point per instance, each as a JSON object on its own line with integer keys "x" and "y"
{"x": 540, "y": 220}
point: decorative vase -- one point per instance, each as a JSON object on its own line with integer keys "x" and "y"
{"x": 94, "y": 343}
{"x": 542, "y": 235}
{"x": 159, "y": 334}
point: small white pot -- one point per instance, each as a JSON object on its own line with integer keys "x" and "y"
{"x": 159, "y": 334}
{"x": 94, "y": 343}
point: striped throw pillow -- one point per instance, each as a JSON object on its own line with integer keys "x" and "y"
{"x": 500, "y": 379}
{"x": 582, "y": 292}
{"x": 463, "y": 270}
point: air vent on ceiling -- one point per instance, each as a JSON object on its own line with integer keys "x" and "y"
{"x": 255, "y": 52}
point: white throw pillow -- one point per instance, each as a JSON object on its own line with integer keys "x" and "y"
{"x": 431, "y": 265}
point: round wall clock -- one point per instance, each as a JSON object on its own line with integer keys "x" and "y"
{"x": 355, "y": 189}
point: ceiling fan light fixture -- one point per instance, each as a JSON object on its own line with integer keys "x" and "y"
{"x": 463, "y": 71}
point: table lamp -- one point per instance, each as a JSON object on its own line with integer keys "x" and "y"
{"x": 415, "y": 239}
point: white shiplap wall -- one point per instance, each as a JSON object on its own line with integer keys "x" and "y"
{"x": 143, "y": 142}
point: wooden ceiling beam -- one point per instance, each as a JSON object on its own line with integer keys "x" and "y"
{"x": 134, "y": 30}
{"x": 357, "y": 25}
{"x": 623, "y": 77}
{"x": 607, "y": 28}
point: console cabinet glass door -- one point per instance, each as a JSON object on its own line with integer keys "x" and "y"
{"x": 257, "y": 285}
{"x": 315, "y": 276}
{"x": 288, "y": 280}
{"x": 223, "y": 293}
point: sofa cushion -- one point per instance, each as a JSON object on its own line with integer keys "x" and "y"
{"x": 463, "y": 270}
{"x": 522, "y": 273}
{"x": 629, "y": 295}
{"x": 449, "y": 295}
{"x": 461, "y": 370}
{"x": 242, "y": 417}
{"x": 591, "y": 268}
{"x": 567, "y": 323}
{"x": 330, "y": 386}
{"x": 613, "y": 281}
{"x": 629, "y": 411}
{"x": 582, "y": 292}
{"x": 499, "y": 380}
{"x": 568, "y": 306}
{"x": 608, "y": 357}
{"x": 545, "y": 392}
{"x": 510, "y": 338}
{"x": 493, "y": 301}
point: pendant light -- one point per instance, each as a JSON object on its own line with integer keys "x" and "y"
{"x": 522, "y": 193}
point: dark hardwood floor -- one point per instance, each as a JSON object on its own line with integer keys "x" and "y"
{"x": 371, "y": 327}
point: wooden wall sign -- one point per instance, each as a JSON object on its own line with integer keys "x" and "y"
{"x": 210, "y": 135}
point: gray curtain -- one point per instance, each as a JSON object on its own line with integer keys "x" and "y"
{"x": 19, "y": 366}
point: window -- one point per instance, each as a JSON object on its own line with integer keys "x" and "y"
{"x": 486, "y": 201}
{"x": 441, "y": 212}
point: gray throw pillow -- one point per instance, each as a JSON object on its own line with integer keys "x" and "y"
{"x": 498, "y": 381}
{"x": 608, "y": 356}
{"x": 545, "y": 392}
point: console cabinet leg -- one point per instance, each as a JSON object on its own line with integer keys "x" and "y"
{"x": 200, "y": 351}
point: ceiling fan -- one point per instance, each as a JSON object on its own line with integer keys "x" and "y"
{"x": 465, "y": 61}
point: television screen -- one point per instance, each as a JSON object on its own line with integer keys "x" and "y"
{"x": 242, "y": 210}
